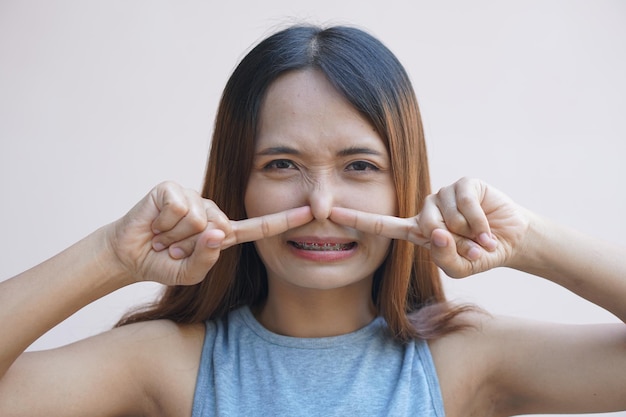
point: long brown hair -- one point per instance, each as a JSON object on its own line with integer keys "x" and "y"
{"x": 407, "y": 288}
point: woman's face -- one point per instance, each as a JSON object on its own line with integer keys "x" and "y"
{"x": 313, "y": 148}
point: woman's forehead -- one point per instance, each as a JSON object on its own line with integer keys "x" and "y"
{"x": 304, "y": 106}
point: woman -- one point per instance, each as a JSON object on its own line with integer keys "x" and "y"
{"x": 321, "y": 243}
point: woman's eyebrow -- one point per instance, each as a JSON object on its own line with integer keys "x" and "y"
{"x": 287, "y": 150}
{"x": 278, "y": 150}
{"x": 355, "y": 150}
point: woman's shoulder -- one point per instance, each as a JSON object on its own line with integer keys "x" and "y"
{"x": 163, "y": 342}
{"x": 146, "y": 331}
{"x": 465, "y": 359}
{"x": 498, "y": 360}
{"x": 146, "y": 368}
{"x": 168, "y": 356}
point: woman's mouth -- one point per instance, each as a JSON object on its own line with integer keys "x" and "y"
{"x": 327, "y": 246}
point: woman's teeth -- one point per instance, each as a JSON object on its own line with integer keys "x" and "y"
{"x": 323, "y": 246}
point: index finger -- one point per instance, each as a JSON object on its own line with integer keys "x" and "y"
{"x": 379, "y": 224}
{"x": 256, "y": 228}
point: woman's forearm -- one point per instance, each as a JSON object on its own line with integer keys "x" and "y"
{"x": 36, "y": 300}
{"x": 593, "y": 269}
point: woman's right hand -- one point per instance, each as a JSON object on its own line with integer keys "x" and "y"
{"x": 174, "y": 236}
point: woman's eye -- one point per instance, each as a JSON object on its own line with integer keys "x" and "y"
{"x": 280, "y": 164}
{"x": 361, "y": 166}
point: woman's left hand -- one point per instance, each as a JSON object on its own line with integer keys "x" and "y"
{"x": 469, "y": 227}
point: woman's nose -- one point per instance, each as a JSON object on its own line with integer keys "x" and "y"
{"x": 321, "y": 199}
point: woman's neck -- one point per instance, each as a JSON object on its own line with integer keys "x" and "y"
{"x": 304, "y": 312}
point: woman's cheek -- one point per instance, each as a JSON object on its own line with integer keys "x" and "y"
{"x": 370, "y": 198}
{"x": 262, "y": 198}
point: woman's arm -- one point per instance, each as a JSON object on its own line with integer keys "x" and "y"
{"x": 589, "y": 267}
{"x": 173, "y": 237}
{"x": 38, "y": 299}
{"x": 137, "y": 247}
{"x": 532, "y": 367}
{"x": 75, "y": 379}
{"x": 520, "y": 367}
{"x": 471, "y": 227}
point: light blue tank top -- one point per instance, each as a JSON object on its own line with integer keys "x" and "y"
{"x": 247, "y": 370}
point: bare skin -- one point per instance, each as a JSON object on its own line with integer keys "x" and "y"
{"x": 505, "y": 367}
{"x": 173, "y": 236}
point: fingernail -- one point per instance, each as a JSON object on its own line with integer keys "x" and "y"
{"x": 158, "y": 246}
{"x": 440, "y": 241}
{"x": 177, "y": 253}
{"x": 487, "y": 241}
{"x": 473, "y": 254}
{"x": 215, "y": 238}
{"x": 214, "y": 244}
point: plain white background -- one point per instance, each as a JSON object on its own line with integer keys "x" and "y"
{"x": 101, "y": 100}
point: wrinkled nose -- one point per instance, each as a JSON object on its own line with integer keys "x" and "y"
{"x": 321, "y": 199}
